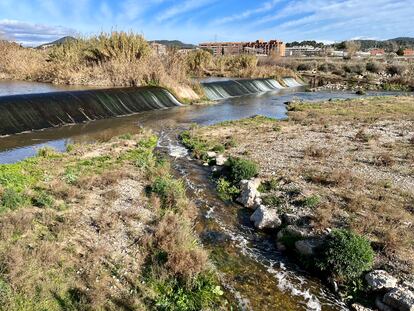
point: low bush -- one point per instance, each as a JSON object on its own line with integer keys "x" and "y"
{"x": 219, "y": 148}
{"x": 305, "y": 67}
{"x": 355, "y": 68}
{"x": 272, "y": 201}
{"x": 197, "y": 147}
{"x": 396, "y": 69}
{"x": 346, "y": 256}
{"x": 175, "y": 295}
{"x": 311, "y": 201}
{"x": 240, "y": 169}
{"x": 170, "y": 191}
{"x": 327, "y": 67}
{"x": 268, "y": 185}
{"x": 374, "y": 67}
{"x": 10, "y": 199}
{"x": 226, "y": 191}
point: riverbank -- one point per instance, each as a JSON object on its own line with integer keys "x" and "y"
{"x": 334, "y": 165}
{"x": 101, "y": 226}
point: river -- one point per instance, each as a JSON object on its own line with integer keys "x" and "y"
{"x": 252, "y": 270}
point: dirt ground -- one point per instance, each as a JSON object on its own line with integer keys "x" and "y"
{"x": 352, "y": 159}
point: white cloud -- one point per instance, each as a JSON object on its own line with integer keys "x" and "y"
{"x": 184, "y": 7}
{"x": 266, "y": 7}
{"x": 32, "y": 34}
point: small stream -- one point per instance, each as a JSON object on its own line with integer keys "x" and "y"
{"x": 251, "y": 268}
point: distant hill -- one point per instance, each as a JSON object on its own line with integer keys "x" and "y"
{"x": 57, "y": 42}
{"x": 175, "y": 43}
{"x": 390, "y": 45}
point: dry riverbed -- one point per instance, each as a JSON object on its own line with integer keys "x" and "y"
{"x": 345, "y": 164}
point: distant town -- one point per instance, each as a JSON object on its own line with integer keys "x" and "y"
{"x": 360, "y": 48}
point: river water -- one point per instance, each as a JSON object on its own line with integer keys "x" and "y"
{"x": 252, "y": 270}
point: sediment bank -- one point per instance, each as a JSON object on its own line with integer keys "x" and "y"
{"x": 332, "y": 166}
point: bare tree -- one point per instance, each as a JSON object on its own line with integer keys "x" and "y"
{"x": 352, "y": 47}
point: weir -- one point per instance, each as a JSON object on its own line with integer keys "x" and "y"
{"x": 231, "y": 88}
{"x": 20, "y": 113}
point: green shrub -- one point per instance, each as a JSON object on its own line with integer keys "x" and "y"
{"x": 226, "y": 191}
{"x": 197, "y": 147}
{"x": 175, "y": 295}
{"x": 240, "y": 169}
{"x": 70, "y": 147}
{"x": 268, "y": 185}
{"x": 311, "y": 201}
{"x": 11, "y": 200}
{"x": 272, "y": 200}
{"x": 170, "y": 191}
{"x": 219, "y": 148}
{"x": 46, "y": 152}
{"x": 346, "y": 256}
{"x": 42, "y": 199}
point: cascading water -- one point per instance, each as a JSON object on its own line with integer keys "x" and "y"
{"x": 291, "y": 82}
{"x": 19, "y": 113}
{"x": 217, "y": 90}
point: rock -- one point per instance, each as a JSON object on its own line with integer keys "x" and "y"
{"x": 205, "y": 164}
{"x": 380, "y": 279}
{"x": 221, "y": 160}
{"x": 290, "y": 231}
{"x": 257, "y": 202}
{"x": 382, "y": 306}
{"x": 400, "y": 299}
{"x": 358, "y": 307}
{"x": 211, "y": 154}
{"x": 308, "y": 247}
{"x": 248, "y": 192}
{"x": 266, "y": 218}
{"x": 290, "y": 219}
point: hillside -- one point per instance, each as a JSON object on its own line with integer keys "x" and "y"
{"x": 57, "y": 42}
{"x": 175, "y": 43}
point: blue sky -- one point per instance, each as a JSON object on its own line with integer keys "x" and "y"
{"x": 37, "y": 21}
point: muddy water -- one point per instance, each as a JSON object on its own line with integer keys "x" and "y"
{"x": 252, "y": 270}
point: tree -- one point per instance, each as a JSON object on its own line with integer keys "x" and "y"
{"x": 352, "y": 47}
{"x": 400, "y": 52}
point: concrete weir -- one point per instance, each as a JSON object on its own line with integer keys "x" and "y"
{"x": 217, "y": 90}
{"x": 20, "y": 113}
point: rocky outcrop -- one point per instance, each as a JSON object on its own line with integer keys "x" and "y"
{"x": 249, "y": 192}
{"x": 221, "y": 160}
{"x": 400, "y": 299}
{"x": 380, "y": 279}
{"x": 266, "y": 218}
{"x": 308, "y": 247}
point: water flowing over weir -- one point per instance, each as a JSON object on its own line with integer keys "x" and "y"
{"x": 217, "y": 90}
{"x": 20, "y": 113}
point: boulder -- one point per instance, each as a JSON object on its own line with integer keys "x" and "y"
{"x": 400, "y": 299}
{"x": 290, "y": 219}
{"x": 248, "y": 192}
{"x": 266, "y": 218}
{"x": 290, "y": 231}
{"x": 308, "y": 247}
{"x": 221, "y": 160}
{"x": 358, "y": 307}
{"x": 382, "y": 306}
{"x": 211, "y": 154}
{"x": 380, "y": 279}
